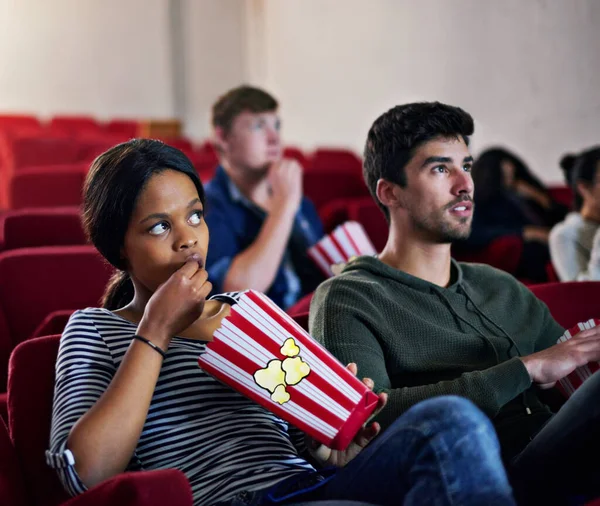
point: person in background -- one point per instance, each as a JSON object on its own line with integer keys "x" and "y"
{"x": 256, "y": 203}
{"x": 511, "y": 201}
{"x": 575, "y": 242}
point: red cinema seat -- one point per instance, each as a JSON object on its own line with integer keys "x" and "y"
{"x": 570, "y": 302}
{"x": 503, "y": 253}
{"x": 91, "y": 147}
{"x": 12, "y": 487}
{"x": 562, "y": 194}
{"x": 367, "y": 213}
{"x": 328, "y": 185}
{"x": 23, "y": 152}
{"x": 326, "y": 159}
{"x": 38, "y": 281}
{"x": 29, "y": 413}
{"x": 205, "y": 165}
{"x": 19, "y": 120}
{"x": 75, "y": 125}
{"x": 47, "y": 186}
{"x": 180, "y": 143}
{"x": 126, "y": 127}
{"x": 300, "y": 307}
{"x": 52, "y": 226}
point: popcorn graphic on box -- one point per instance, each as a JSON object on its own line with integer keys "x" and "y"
{"x": 261, "y": 352}
{"x": 573, "y": 381}
{"x": 341, "y": 246}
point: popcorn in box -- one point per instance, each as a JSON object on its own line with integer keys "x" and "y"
{"x": 261, "y": 352}
{"x": 573, "y": 381}
{"x": 336, "y": 249}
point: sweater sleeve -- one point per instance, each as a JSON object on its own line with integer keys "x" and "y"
{"x": 348, "y": 323}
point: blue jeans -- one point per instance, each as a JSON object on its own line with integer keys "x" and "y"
{"x": 443, "y": 451}
{"x": 561, "y": 461}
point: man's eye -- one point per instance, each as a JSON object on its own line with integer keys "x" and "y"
{"x": 440, "y": 168}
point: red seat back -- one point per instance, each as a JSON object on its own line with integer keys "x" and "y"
{"x": 562, "y": 194}
{"x": 326, "y": 186}
{"x": 17, "y": 121}
{"x": 75, "y": 125}
{"x": 12, "y": 490}
{"x": 52, "y": 226}
{"x": 91, "y": 147}
{"x": 503, "y": 253}
{"x": 367, "y": 213}
{"x": 54, "y": 323}
{"x": 23, "y": 152}
{"x": 47, "y": 186}
{"x": 327, "y": 159}
{"x": 300, "y": 307}
{"x": 570, "y": 302}
{"x": 126, "y": 127}
{"x": 302, "y": 320}
{"x": 30, "y": 411}
{"x": 38, "y": 281}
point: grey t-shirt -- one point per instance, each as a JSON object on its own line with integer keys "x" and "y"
{"x": 575, "y": 249}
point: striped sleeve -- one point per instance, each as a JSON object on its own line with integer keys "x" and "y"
{"x": 84, "y": 369}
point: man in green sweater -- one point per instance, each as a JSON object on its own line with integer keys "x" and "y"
{"x": 421, "y": 325}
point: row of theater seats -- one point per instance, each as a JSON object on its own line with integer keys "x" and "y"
{"x": 25, "y": 479}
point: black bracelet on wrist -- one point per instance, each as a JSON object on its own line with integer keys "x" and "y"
{"x": 151, "y": 344}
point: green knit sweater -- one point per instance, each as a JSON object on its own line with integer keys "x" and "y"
{"x": 417, "y": 340}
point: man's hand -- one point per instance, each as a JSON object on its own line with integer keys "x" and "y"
{"x": 285, "y": 182}
{"x": 327, "y": 457}
{"x": 548, "y": 366}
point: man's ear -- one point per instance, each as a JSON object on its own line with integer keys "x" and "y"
{"x": 388, "y": 194}
{"x": 220, "y": 138}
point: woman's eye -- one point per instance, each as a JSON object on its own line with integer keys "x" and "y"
{"x": 467, "y": 168}
{"x": 196, "y": 218}
{"x": 159, "y": 228}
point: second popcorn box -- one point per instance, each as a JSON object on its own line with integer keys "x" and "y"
{"x": 265, "y": 355}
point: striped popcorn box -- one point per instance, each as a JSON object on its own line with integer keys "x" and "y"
{"x": 265, "y": 355}
{"x": 573, "y": 381}
{"x": 336, "y": 249}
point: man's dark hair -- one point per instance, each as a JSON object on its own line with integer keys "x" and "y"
{"x": 235, "y": 101}
{"x": 396, "y": 134}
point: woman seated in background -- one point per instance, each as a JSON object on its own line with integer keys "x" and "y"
{"x": 509, "y": 200}
{"x": 575, "y": 243}
{"x": 129, "y": 394}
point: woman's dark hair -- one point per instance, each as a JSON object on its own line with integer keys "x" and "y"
{"x": 580, "y": 168}
{"x": 395, "y": 136}
{"x": 112, "y": 187}
{"x": 488, "y": 176}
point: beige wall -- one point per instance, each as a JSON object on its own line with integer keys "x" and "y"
{"x": 528, "y": 70}
{"x": 214, "y": 33}
{"x": 107, "y": 58}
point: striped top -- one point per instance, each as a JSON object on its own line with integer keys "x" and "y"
{"x": 224, "y": 443}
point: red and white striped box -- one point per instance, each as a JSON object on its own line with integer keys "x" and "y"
{"x": 336, "y": 249}
{"x": 573, "y": 381}
{"x": 265, "y": 355}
